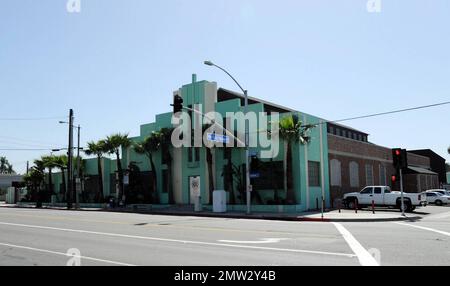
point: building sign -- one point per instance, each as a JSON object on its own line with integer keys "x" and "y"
{"x": 218, "y": 138}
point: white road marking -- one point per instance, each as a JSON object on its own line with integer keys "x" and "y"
{"x": 64, "y": 254}
{"x": 181, "y": 241}
{"x": 364, "y": 257}
{"x": 263, "y": 240}
{"x": 425, "y": 228}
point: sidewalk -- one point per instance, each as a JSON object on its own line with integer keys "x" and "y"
{"x": 328, "y": 216}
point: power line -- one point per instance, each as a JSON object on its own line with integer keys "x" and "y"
{"x": 27, "y": 149}
{"x": 31, "y": 118}
{"x": 380, "y": 114}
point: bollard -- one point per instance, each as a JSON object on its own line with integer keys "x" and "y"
{"x": 373, "y": 206}
{"x": 356, "y": 206}
{"x": 317, "y": 204}
{"x": 323, "y": 206}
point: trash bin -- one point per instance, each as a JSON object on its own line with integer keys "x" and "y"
{"x": 219, "y": 201}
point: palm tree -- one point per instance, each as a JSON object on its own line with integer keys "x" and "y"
{"x": 61, "y": 163}
{"x": 166, "y": 140}
{"x": 5, "y": 166}
{"x": 113, "y": 144}
{"x": 33, "y": 179}
{"x": 291, "y": 131}
{"x": 148, "y": 147}
{"x": 98, "y": 149}
{"x": 3, "y": 162}
{"x": 50, "y": 163}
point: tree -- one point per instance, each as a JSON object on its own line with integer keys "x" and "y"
{"x": 291, "y": 131}
{"x": 48, "y": 162}
{"x": 98, "y": 149}
{"x": 61, "y": 163}
{"x": 166, "y": 142}
{"x": 5, "y": 166}
{"x": 33, "y": 180}
{"x": 113, "y": 144}
{"x": 148, "y": 147}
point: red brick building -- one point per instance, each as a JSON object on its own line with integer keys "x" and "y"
{"x": 354, "y": 162}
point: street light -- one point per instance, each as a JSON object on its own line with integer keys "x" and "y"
{"x": 247, "y": 170}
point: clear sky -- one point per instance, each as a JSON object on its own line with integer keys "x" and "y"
{"x": 117, "y": 62}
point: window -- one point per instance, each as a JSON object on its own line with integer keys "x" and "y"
{"x": 359, "y": 137}
{"x": 377, "y": 190}
{"x": 314, "y": 173}
{"x": 369, "y": 175}
{"x": 338, "y": 132}
{"x": 366, "y": 191}
{"x": 331, "y": 129}
{"x": 354, "y": 175}
{"x": 344, "y": 133}
{"x": 383, "y": 175}
{"x": 335, "y": 172}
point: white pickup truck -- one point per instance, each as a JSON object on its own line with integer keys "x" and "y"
{"x": 382, "y": 196}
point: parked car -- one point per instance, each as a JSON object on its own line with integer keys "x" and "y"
{"x": 436, "y": 198}
{"x": 441, "y": 191}
{"x": 383, "y": 196}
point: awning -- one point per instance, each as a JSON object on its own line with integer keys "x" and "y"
{"x": 419, "y": 170}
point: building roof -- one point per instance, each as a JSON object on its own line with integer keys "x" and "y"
{"x": 426, "y": 153}
{"x": 347, "y": 127}
{"x": 226, "y": 94}
{"x": 421, "y": 170}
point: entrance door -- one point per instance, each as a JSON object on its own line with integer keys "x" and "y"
{"x": 194, "y": 188}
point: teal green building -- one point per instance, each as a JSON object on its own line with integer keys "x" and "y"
{"x": 221, "y": 168}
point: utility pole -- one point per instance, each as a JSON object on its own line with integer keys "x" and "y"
{"x": 69, "y": 162}
{"x": 78, "y": 181}
{"x": 28, "y": 166}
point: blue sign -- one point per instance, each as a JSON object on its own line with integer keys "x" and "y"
{"x": 218, "y": 138}
{"x": 254, "y": 175}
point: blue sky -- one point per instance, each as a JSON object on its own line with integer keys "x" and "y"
{"x": 117, "y": 62}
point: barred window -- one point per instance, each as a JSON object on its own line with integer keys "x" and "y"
{"x": 369, "y": 175}
{"x": 354, "y": 174}
{"x": 335, "y": 172}
{"x": 383, "y": 175}
{"x": 314, "y": 173}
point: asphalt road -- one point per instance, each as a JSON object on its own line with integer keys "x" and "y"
{"x": 45, "y": 237}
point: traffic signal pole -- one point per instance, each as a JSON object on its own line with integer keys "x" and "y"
{"x": 401, "y": 191}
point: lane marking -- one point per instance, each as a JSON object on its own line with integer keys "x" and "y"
{"x": 364, "y": 257}
{"x": 65, "y": 254}
{"x": 153, "y": 224}
{"x": 425, "y": 228}
{"x": 262, "y": 240}
{"x": 181, "y": 241}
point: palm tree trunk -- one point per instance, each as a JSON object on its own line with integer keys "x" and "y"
{"x": 290, "y": 195}
{"x": 50, "y": 183}
{"x": 154, "y": 177}
{"x": 63, "y": 182}
{"x": 229, "y": 178}
{"x": 285, "y": 155}
{"x": 120, "y": 172}
{"x": 209, "y": 158}
{"x": 169, "y": 181}
{"x": 100, "y": 180}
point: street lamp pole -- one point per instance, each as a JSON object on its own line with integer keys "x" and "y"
{"x": 247, "y": 167}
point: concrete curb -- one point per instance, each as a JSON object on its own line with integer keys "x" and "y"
{"x": 233, "y": 216}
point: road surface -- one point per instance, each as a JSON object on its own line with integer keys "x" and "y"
{"x": 59, "y": 237}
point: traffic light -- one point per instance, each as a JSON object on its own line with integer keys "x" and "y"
{"x": 177, "y": 104}
{"x": 399, "y": 158}
{"x": 393, "y": 178}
